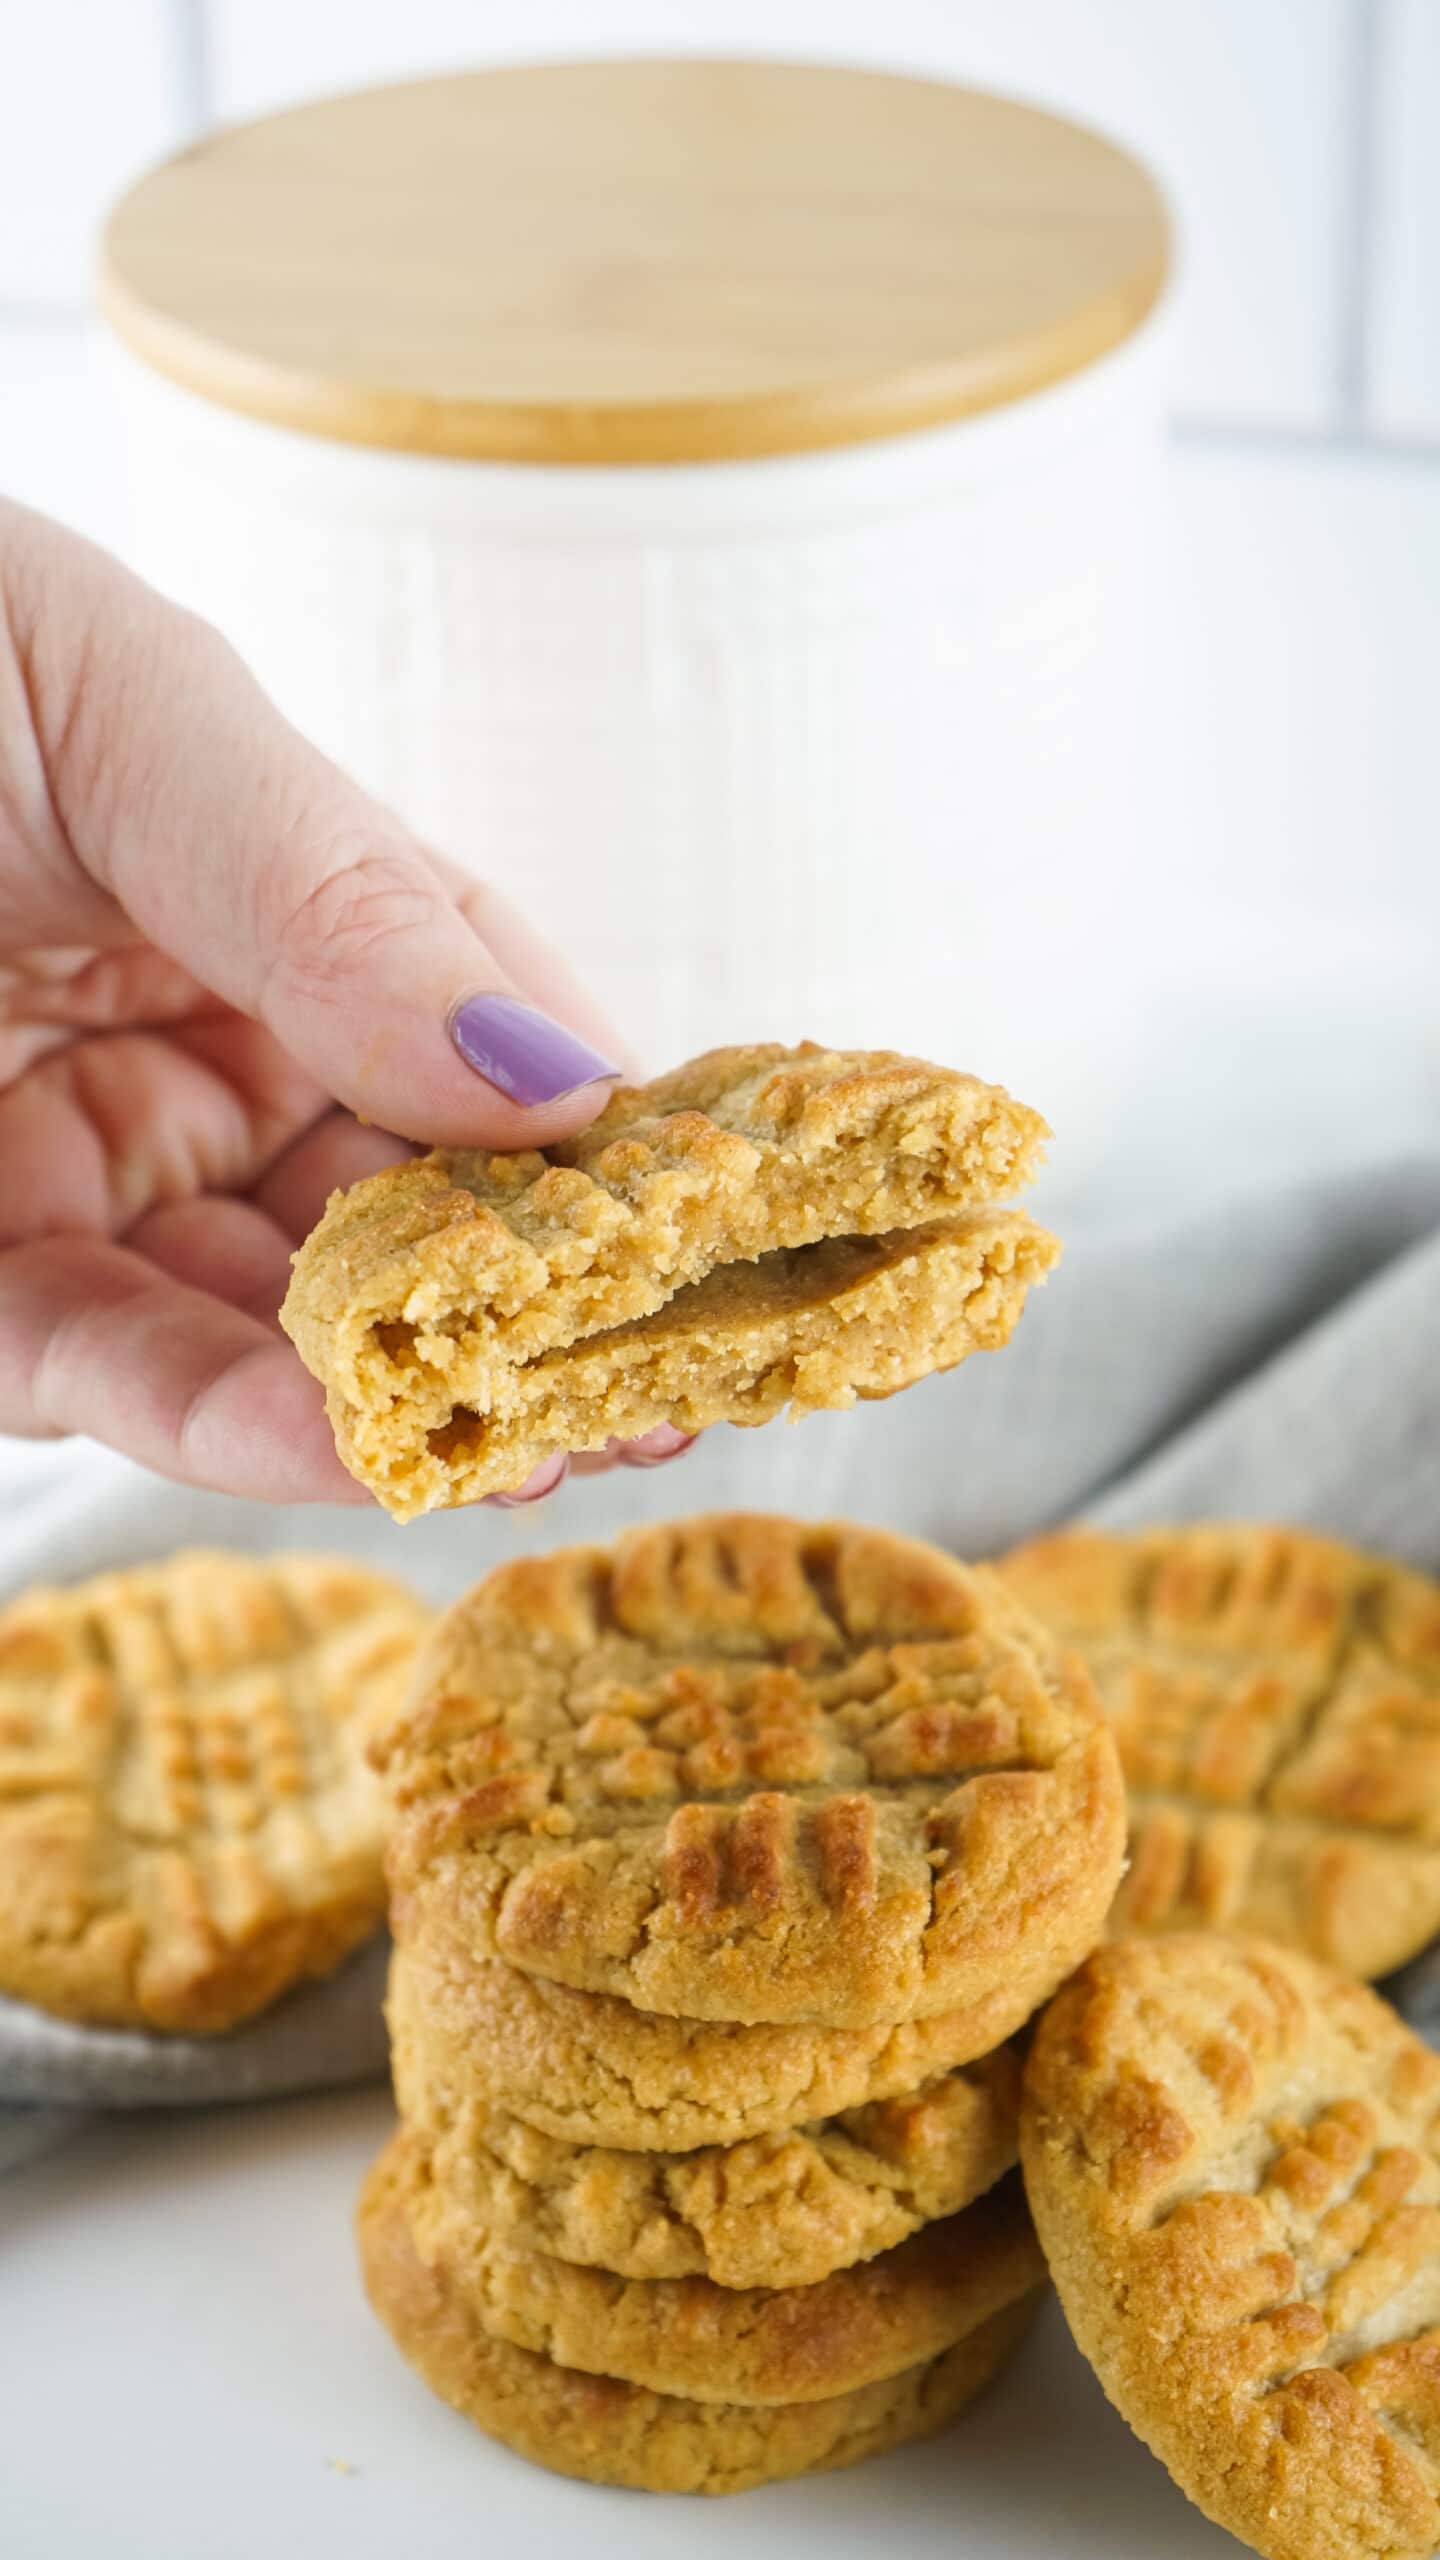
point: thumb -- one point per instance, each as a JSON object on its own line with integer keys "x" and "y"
{"x": 409, "y": 992}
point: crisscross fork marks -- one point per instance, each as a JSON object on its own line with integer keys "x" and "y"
{"x": 1232, "y": 2157}
{"x": 1219, "y": 1649}
{"x": 1276, "y": 1699}
{"x": 778, "y": 1725}
{"x": 1337, "y": 2247}
{"x": 763, "y": 1226}
{"x": 186, "y": 1818}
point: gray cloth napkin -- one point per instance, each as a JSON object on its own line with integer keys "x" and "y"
{"x": 1276, "y": 1359}
{"x": 324, "y": 2035}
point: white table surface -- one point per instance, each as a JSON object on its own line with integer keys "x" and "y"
{"x": 188, "y": 2371}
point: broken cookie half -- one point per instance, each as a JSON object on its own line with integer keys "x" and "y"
{"x": 763, "y": 1227}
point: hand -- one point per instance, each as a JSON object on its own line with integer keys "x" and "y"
{"x": 229, "y": 982}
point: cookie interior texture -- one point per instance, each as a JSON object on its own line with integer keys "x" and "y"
{"x": 755, "y": 1769}
{"x": 188, "y": 1823}
{"x": 783, "y": 2208}
{"x": 1276, "y": 1699}
{"x": 471, "y": 2031}
{"x": 617, "y": 2433}
{"x": 1231, "y": 2155}
{"x": 763, "y": 1227}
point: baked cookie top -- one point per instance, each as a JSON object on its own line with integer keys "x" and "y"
{"x": 616, "y": 2432}
{"x": 434, "y": 1300}
{"x": 763, "y": 2346}
{"x": 751, "y": 1768}
{"x": 1231, "y": 2155}
{"x": 590, "y": 2070}
{"x": 187, "y": 1820}
{"x": 783, "y": 2208}
{"x": 1276, "y": 1699}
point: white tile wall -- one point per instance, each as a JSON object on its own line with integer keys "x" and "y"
{"x": 1405, "y": 313}
{"x": 89, "y": 93}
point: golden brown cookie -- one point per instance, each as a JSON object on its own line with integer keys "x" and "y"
{"x": 188, "y": 1823}
{"x": 763, "y": 1226}
{"x": 586, "y": 2069}
{"x": 762, "y": 2346}
{"x": 783, "y": 2208}
{"x": 1231, "y": 2154}
{"x": 616, "y": 2433}
{"x": 757, "y": 1769}
{"x": 1276, "y": 1699}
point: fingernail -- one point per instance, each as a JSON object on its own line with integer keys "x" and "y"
{"x": 653, "y": 1448}
{"x": 520, "y": 1049}
{"x": 547, "y": 1478}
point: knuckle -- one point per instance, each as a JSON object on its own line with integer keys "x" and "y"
{"x": 361, "y": 906}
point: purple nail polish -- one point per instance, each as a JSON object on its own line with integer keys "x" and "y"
{"x": 521, "y": 1051}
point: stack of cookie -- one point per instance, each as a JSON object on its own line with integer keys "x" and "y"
{"x": 723, "y": 1865}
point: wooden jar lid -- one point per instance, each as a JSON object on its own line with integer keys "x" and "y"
{"x": 634, "y": 261}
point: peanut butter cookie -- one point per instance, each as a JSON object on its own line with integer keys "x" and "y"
{"x": 763, "y": 1226}
{"x": 752, "y": 1769}
{"x": 1231, "y": 2155}
{"x": 614, "y": 2432}
{"x": 589, "y": 2070}
{"x": 757, "y": 2347}
{"x": 1276, "y": 1700}
{"x": 187, "y": 1821}
{"x": 783, "y": 2208}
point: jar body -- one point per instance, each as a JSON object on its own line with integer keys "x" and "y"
{"x": 857, "y": 745}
